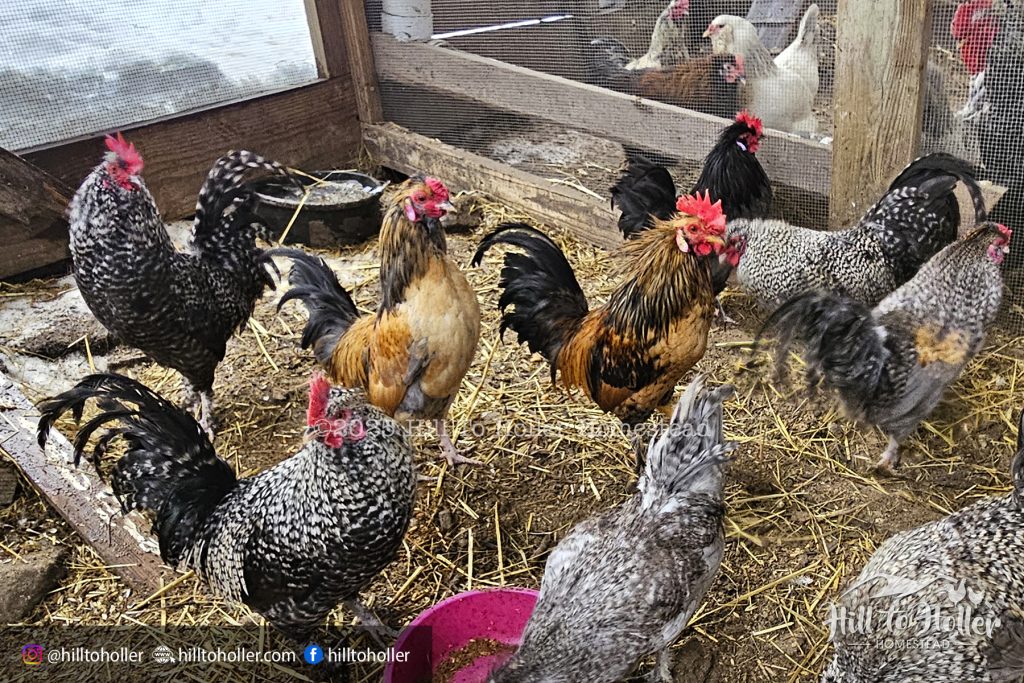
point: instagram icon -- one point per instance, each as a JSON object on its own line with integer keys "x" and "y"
{"x": 32, "y": 655}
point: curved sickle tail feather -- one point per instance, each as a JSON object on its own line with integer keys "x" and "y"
{"x": 541, "y": 299}
{"x": 169, "y": 466}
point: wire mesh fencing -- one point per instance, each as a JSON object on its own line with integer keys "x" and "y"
{"x": 75, "y": 68}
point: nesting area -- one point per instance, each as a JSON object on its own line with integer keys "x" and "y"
{"x": 804, "y": 510}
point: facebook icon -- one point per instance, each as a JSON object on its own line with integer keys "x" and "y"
{"x": 313, "y": 654}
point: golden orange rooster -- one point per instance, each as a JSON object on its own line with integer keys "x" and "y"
{"x": 412, "y": 354}
{"x": 627, "y": 355}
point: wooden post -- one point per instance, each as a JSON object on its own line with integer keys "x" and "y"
{"x": 881, "y": 52}
{"x": 360, "y": 60}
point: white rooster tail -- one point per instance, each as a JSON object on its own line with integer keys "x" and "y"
{"x": 689, "y": 454}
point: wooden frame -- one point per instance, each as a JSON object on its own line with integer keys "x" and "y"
{"x": 310, "y": 126}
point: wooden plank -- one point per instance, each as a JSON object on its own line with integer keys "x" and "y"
{"x": 556, "y": 48}
{"x": 556, "y": 205}
{"x": 881, "y": 52}
{"x": 33, "y": 228}
{"x": 359, "y": 54}
{"x": 123, "y": 542}
{"x": 314, "y": 126}
{"x": 789, "y": 160}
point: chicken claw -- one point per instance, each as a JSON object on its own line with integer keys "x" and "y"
{"x": 890, "y": 459}
{"x": 448, "y": 449}
{"x": 381, "y": 633}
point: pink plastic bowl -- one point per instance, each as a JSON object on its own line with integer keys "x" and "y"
{"x": 450, "y": 625}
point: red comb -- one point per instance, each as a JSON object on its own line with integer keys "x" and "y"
{"x": 126, "y": 152}
{"x": 438, "y": 188}
{"x": 700, "y": 206}
{"x": 319, "y": 389}
{"x": 751, "y": 122}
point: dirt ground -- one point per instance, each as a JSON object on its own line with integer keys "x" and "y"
{"x": 804, "y": 510}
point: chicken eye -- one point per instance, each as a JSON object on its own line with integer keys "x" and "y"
{"x": 419, "y": 197}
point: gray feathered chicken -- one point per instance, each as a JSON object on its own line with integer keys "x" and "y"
{"x": 179, "y": 308}
{"x": 623, "y": 584}
{"x": 940, "y": 603}
{"x": 917, "y": 217}
{"x": 890, "y": 364}
{"x": 291, "y": 542}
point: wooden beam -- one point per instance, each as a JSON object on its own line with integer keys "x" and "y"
{"x": 360, "y": 58}
{"x": 685, "y": 134}
{"x": 33, "y": 228}
{"x": 123, "y": 542}
{"x": 556, "y": 205}
{"x": 881, "y": 52}
{"x": 311, "y": 127}
{"x": 777, "y": 21}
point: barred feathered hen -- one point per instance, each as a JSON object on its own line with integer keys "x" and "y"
{"x": 917, "y": 217}
{"x": 291, "y": 542}
{"x": 623, "y": 584}
{"x": 940, "y": 603}
{"x": 890, "y": 364}
{"x": 179, "y": 308}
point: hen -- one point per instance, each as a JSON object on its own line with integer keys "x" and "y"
{"x": 179, "y": 308}
{"x": 782, "y": 97}
{"x": 731, "y": 174}
{"x": 668, "y": 36}
{"x": 412, "y": 354}
{"x": 801, "y": 56}
{"x": 918, "y": 216}
{"x": 709, "y": 83}
{"x": 890, "y": 364}
{"x": 967, "y": 568}
{"x": 624, "y": 584}
{"x": 628, "y": 354}
{"x": 349, "y": 490}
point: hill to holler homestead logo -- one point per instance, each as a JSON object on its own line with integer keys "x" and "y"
{"x": 909, "y": 612}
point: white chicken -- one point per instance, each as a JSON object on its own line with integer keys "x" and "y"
{"x": 781, "y": 95}
{"x": 668, "y": 34}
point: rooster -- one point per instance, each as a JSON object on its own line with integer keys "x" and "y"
{"x": 349, "y": 491}
{"x": 179, "y": 308}
{"x": 918, "y": 216}
{"x": 780, "y": 91}
{"x": 731, "y": 174}
{"x": 628, "y": 354}
{"x": 623, "y": 584}
{"x": 412, "y": 354}
{"x": 890, "y": 364}
{"x": 709, "y": 83}
{"x": 968, "y": 567}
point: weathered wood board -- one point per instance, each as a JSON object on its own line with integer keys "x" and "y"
{"x": 33, "y": 227}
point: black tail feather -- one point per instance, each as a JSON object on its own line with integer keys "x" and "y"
{"x": 842, "y": 342}
{"x": 331, "y": 309}
{"x": 644, "y": 191}
{"x": 224, "y": 184}
{"x": 941, "y": 164}
{"x": 606, "y": 60}
{"x": 169, "y": 467}
{"x": 547, "y": 303}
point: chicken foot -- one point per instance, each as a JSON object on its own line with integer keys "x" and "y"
{"x": 381, "y": 633}
{"x": 890, "y": 459}
{"x": 448, "y": 448}
{"x": 662, "y": 671}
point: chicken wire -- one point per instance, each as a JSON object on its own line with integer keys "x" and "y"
{"x": 971, "y": 111}
{"x": 553, "y": 37}
{"x": 74, "y": 68}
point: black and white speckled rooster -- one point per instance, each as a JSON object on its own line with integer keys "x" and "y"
{"x": 918, "y": 216}
{"x": 623, "y": 584}
{"x": 942, "y": 602}
{"x": 179, "y": 308}
{"x": 291, "y": 542}
{"x": 890, "y": 364}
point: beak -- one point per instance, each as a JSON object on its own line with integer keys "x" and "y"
{"x": 308, "y": 435}
{"x": 708, "y": 33}
{"x": 714, "y": 239}
{"x": 447, "y": 207}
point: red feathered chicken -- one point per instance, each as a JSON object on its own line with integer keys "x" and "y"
{"x": 412, "y": 354}
{"x": 629, "y": 354}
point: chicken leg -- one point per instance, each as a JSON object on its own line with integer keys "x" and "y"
{"x": 662, "y": 671}
{"x": 381, "y": 633}
{"x": 890, "y": 459}
{"x": 448, "y": 448}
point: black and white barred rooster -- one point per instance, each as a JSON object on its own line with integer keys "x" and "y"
{"x": 179, "y": 308}
{"x": 890, "y": 364}
{"x": 917, "y": 216}
{"x": 291, "y": 542}
{"x": 624, "y": 583}
{"x": 941, "y": 602}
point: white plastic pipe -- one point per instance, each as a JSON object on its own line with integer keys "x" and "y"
{"x": 408, "y": 20}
